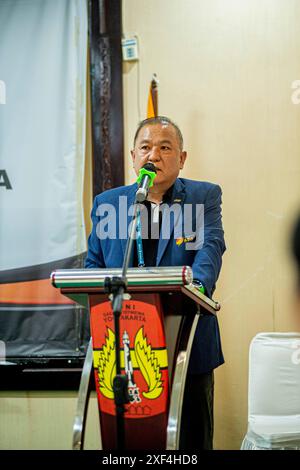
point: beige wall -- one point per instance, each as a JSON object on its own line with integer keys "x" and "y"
{"x": 225, "y": 69}
{"x": 44, "y": 420}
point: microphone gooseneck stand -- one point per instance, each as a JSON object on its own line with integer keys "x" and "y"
{"x": 117, "y": 286}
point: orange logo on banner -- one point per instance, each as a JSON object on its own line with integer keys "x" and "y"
{"x": 143, "y": 358}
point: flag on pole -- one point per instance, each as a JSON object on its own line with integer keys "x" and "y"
{"x": 152, "y": 107}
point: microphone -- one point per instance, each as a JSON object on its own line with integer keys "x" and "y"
{"x": 145, "y": 179}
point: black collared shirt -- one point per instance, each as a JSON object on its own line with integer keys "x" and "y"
{"x": 151, "y": 218}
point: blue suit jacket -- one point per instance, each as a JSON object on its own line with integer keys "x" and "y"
{"x": 205, "y": 262}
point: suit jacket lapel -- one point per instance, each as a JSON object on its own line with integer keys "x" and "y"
{"x": 178, "y": 197}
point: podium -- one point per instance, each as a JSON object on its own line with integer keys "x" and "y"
{"x": 159, "y": 318}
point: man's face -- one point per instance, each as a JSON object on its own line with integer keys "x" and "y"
{"x": 159, "y": 144}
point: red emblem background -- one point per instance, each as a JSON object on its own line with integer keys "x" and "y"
{"x": 135, "y": 314}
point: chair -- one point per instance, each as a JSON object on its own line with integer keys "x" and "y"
{"x": 273, "y": 392}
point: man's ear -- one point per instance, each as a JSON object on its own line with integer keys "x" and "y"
{"x": 132, "y": 152}
{"x": 183, "y": 156}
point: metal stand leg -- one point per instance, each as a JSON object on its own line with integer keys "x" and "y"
{"x": 83, "y": 398}
{"x": 177, "y": 394}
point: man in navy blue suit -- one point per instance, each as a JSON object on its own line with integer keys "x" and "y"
{"x": 159, "y": 141}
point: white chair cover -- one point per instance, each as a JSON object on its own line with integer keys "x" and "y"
{"x": 274, "y": 392}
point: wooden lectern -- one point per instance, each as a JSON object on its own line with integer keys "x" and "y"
{"x": 159, "y": 317}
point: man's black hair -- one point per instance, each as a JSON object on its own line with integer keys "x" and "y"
{"x": 159, "y": 120}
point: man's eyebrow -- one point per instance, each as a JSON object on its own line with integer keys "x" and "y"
{"x": 164, "y": 141}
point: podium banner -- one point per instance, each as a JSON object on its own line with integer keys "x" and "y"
{"x": 145, "y": 362}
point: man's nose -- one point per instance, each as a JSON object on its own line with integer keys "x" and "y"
{"x": 154, "y": 154}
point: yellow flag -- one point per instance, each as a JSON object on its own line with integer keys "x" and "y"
{"x": 152, "y": 107}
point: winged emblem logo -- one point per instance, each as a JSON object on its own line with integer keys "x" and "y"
{"x": 142, "y": 357}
